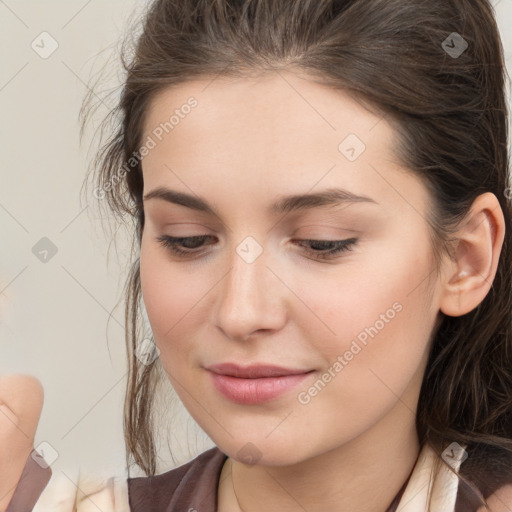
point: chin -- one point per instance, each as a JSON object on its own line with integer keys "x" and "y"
{"x": 263, "y": 452}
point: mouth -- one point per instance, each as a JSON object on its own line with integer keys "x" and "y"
{"x": 255, "y": 384}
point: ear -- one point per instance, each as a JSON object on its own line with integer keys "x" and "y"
{"x": 470, "y": 273}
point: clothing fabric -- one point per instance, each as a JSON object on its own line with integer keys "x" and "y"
{"x": 193, "y": 486}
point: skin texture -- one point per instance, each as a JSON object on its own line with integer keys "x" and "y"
{"x": 500, "y": 501}
{"x": 246, "y": 143}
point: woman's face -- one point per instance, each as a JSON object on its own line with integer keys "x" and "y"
{"x": 254, "y": 291}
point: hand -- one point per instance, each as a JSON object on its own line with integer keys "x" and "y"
{"x": 21, "y": 402}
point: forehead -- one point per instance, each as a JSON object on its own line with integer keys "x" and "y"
{"x": 276, "y": 132}
{"x": 280, "y": 106}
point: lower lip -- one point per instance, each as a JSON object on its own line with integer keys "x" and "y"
{"x": 255, "y": 391}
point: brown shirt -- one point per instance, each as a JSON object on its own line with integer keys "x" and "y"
{"x": 193, "y": 487}
{"x": 35, "y": 477}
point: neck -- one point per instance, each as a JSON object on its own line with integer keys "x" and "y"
{"x": 365, "y": 474}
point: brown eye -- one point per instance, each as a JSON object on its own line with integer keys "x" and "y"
{"x": 325, "y": 249}
{"x": 320, "y": 249}
{"x": 176, "y": 244}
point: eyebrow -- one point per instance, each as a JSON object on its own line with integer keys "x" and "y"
{"x": 285, "y": 204}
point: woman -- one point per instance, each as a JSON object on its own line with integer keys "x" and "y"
{"x": 322, "y": 208}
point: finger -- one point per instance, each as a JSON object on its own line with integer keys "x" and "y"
{"x": 21, "y": 402}
{"x": 22, "y": 395}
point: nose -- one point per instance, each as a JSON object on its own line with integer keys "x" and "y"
{"x": 251, "y": 299}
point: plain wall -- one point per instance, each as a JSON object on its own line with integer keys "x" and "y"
{"x": 54, "y": 315}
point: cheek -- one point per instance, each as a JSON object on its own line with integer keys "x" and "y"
{"x": 377, "y": 292}
{"x": 375, "y": 315}
{"x": 394, "y": 327}
{"x": 171, "y": 300}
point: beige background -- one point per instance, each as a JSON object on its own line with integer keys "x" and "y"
{"x": 54, "y": 316}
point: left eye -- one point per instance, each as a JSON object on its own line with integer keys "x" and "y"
{"x": 321, "y": 249}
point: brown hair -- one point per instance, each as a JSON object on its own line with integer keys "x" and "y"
{"x": 450, "y": 116}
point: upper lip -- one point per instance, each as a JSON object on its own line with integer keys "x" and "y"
{"x": 253, "y": 371}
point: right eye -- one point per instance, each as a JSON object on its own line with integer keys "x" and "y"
{"x": 175, "y": 244}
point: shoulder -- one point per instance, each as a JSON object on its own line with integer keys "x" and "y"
{"x": 191, "y": 486}
{"x": 460, "y": 478}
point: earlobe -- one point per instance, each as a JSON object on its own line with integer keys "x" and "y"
{"x": 479, "y": 243}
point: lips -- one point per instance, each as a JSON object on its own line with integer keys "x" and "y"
{"x": 254, "y": 371}
{"x": 254, "y": 384}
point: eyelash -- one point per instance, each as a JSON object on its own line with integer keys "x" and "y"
{"x": 171, "y": 243}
